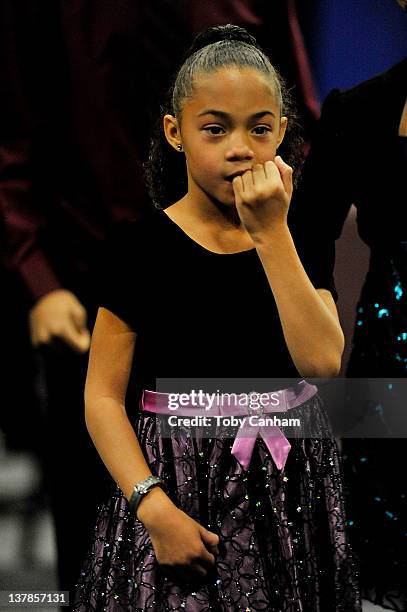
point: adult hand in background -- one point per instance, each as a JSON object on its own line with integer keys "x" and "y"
{"x": 59, "y": 315}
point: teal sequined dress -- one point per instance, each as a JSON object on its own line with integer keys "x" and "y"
{"x": 377, "y": 488}
{"x": 358, "y": 157}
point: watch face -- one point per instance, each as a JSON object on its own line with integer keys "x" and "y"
{"x": 143, "y": 488}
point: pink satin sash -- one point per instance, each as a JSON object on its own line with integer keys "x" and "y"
{"x": 277, "y": 443}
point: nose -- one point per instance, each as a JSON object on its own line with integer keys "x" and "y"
{"x": 239, "y": 151}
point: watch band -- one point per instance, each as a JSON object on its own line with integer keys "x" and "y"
{"x": 142, "y": 487}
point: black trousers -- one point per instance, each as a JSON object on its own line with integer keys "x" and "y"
{"x": 77, "y": 478}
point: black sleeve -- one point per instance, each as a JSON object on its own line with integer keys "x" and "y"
{"x": 322, "y": 201}
{"x": 120, "y": 273}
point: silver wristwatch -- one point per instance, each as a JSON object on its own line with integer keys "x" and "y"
{"x": 142, "y": 487}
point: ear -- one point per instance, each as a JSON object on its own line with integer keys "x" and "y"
{"x": 172, "y": 131}
{"x": 283, "y": 127}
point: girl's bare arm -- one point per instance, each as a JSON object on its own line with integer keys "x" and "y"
{"x": 308, "y": 316}
{"x": 110, "y": 360}
{"x": 182, "y": 546}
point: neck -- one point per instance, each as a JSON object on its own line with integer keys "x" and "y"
{"x": 209, "y": 212}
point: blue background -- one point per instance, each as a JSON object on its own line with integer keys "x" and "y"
{"x": 349, "y": 41}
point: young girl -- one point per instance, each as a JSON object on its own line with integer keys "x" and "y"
{"x": 213, "y": 286}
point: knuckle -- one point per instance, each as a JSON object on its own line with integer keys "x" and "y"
{"x": 195, "y": 556}
{"x": 168, "y": 566}
{"x": 209, "y": 561}
{"x": 261, "y": 193}
{"x": 250, "y": 197}
{"x": 57, "y": 331}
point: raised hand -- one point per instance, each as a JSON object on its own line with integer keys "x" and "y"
{"x": 263, "y": 196}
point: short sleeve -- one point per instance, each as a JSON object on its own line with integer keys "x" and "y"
{"x": 119, "y": 276}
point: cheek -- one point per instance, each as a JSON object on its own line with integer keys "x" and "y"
{"x": 266, "y": 155}
{"x": 205, "y": 165}
{"x": 265, "y": 150}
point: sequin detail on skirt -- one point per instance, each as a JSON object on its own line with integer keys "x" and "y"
{"x": 283, "y": 546}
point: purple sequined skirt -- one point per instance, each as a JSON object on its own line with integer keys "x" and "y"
{"x": 283, "y": 544}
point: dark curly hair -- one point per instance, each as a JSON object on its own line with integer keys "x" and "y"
{"x": 212, "y": 49}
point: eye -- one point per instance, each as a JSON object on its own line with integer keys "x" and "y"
{"x": 210, "y": 129}
{"x": 265, "y": 129}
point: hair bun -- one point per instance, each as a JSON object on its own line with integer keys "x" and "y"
{"x": 219, "y": 33}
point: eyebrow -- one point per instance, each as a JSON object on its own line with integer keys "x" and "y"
{"x": 223, "y": 115}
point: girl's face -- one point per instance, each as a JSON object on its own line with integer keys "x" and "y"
{"x": 231, "y": 122}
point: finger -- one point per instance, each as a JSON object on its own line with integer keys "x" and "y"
{"x": 286, "y": 173}
{"x": 259, "y": 174}
{"x": 238, "y": 189}
{"x": 84, "y": 341}
{"x": 79, "y": 317}
{"x": 272, "y": 171}
{"x": 43, "y": 337}
{"x": 79, "y": 342}
{"x": 209, "y": 538}
{"x": 79, "y": 333}
{"x": 248, "y": 181}
{"x": 208, "y": 535}
{"x": 207, "y": 559}
{"x": 198, "y": 568}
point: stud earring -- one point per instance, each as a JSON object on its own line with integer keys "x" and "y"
{"x": 179, "y": 147}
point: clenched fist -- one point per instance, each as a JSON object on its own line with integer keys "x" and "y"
{"x": 263, "y": 195}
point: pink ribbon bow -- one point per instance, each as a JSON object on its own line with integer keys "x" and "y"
{"x": 272, "y": 435}
{"x": 246, "y": 436}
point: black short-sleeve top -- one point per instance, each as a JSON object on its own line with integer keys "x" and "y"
{"x": 196, "y": 313}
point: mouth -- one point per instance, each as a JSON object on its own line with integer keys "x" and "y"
{"x": 237, "y": 173}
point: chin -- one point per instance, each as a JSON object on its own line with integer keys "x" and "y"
{"x": 228, "y": 202}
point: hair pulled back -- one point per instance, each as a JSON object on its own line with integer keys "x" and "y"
{"x": 215, "y": 48}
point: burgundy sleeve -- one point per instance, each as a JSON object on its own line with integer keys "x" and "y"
{"x": 23, "y": 220}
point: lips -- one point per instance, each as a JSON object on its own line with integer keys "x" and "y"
{"x": 236, "y": 173}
